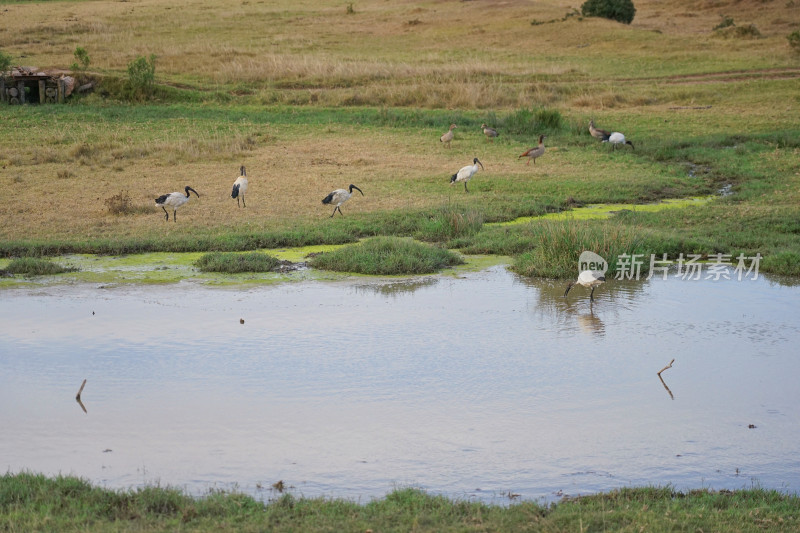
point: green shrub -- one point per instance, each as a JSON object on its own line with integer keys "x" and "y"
{"x": 793, "y": 38}
{"x": 533, "y": 121}
{"x": 724, "y": 23}
{"x": 141, "y": 77}
{"x": 619, "y": 10}
{"x": 82, "y": 60}
{"x": 387, "y": 256}
{"x": 5, "y": 61}
{"x": 739, "y": 32}
{"x": 33, "y": 266}
{"x": 233, "y": 263}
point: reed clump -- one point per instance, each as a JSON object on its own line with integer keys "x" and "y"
{"x": 388, "y": 256}
{"x": 234, "y": 263}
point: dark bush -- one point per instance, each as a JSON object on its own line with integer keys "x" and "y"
{"x": 794, "y": 40}
{"x": 619, "y": 10}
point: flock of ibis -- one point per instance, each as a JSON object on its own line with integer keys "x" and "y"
{"x": 336, "y": 198}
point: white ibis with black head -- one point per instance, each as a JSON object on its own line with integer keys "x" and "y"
{"x": 340, "y": 196}
{"x": 587, "y": 278}
{"x": 618, "y": 138}
{"x": 240, "y": 186}
{"x": 466, "y": 173}
{"x": 174, "y": 200}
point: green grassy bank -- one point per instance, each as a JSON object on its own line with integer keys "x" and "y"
{"x": 32, "y": 503}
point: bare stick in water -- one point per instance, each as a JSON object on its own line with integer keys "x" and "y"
{"x": 666, "y": 367}
{"x": 78, "y": 396}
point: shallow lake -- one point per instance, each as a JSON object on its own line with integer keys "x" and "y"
{"x": 481, "y": 385}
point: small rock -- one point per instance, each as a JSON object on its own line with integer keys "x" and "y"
{"x": 241, "y": 321}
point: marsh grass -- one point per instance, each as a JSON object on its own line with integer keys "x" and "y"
{"x": 387, "y": 256}
{"x": 556, "y": 246}
{"x": 33, "y": 502}
{"x": 34, "y": 266}
{"x": 232, "y": 263}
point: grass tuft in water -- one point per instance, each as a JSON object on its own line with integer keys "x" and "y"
{"x": 558, "y": 244}
{"x": 232, "y": 263}
{"x": 388, "y": 256}
{"x": 33, "y": 266}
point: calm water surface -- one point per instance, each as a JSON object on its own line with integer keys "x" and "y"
{"x": 478, "y": 386}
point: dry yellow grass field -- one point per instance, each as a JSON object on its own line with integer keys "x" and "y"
{"x": 466, "y": 56}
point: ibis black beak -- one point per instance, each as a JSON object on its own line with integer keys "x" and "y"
{"x": 356, "y": 188}
{"x": 477, "y": 161}
{"x": 194, "y": 191}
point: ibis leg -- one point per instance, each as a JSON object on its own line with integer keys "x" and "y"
{"x": 166, "y": 213}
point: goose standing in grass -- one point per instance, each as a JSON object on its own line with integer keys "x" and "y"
{"x": 618, "y": 138}
{"x": 466, "y": 173}
{"x": 340, "y": 196}
{"x": 490, "y": 133}
{"x": 536, "y": 151}
{"x": 447, "y": 137}
{"x": 587, "y": 278}
{"x": 240, "y": 186}
{"x": 174, "y": 200}
{"x": 597, "y": 133}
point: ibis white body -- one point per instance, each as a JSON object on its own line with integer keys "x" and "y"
{"x": 466, "y": 173}
{"x": 240, "y": 186}
{"x": 340, "y": 196}
{"x": 618, "y": 138}
{"x": 174, "y": 200}
{"x": 587, "y": 278}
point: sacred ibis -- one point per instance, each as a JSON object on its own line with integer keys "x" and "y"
{"x": 447, "y": 137}
{"x": 618, "y": 138}
{"x": 466, "y": 173}
{"x": 536, "y": 151}
{"x": 340, "y": 196}
{"x": 240, "y": 186}
{"x": 490, "y": 133}
{"x": 597, "y": 133}
{"x": 174, "y": 200}
{"x": 587, "y": 278}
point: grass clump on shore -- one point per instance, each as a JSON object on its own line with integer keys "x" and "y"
{"x": 33, "y": 502}
{"x": 388, "y": 256}
{"x": 233, "y": 263}
{"x": 34, "y": 266}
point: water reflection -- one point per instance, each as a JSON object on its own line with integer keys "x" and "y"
{"x": 483, "y": 381}
{"x": 395, "y": 288}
